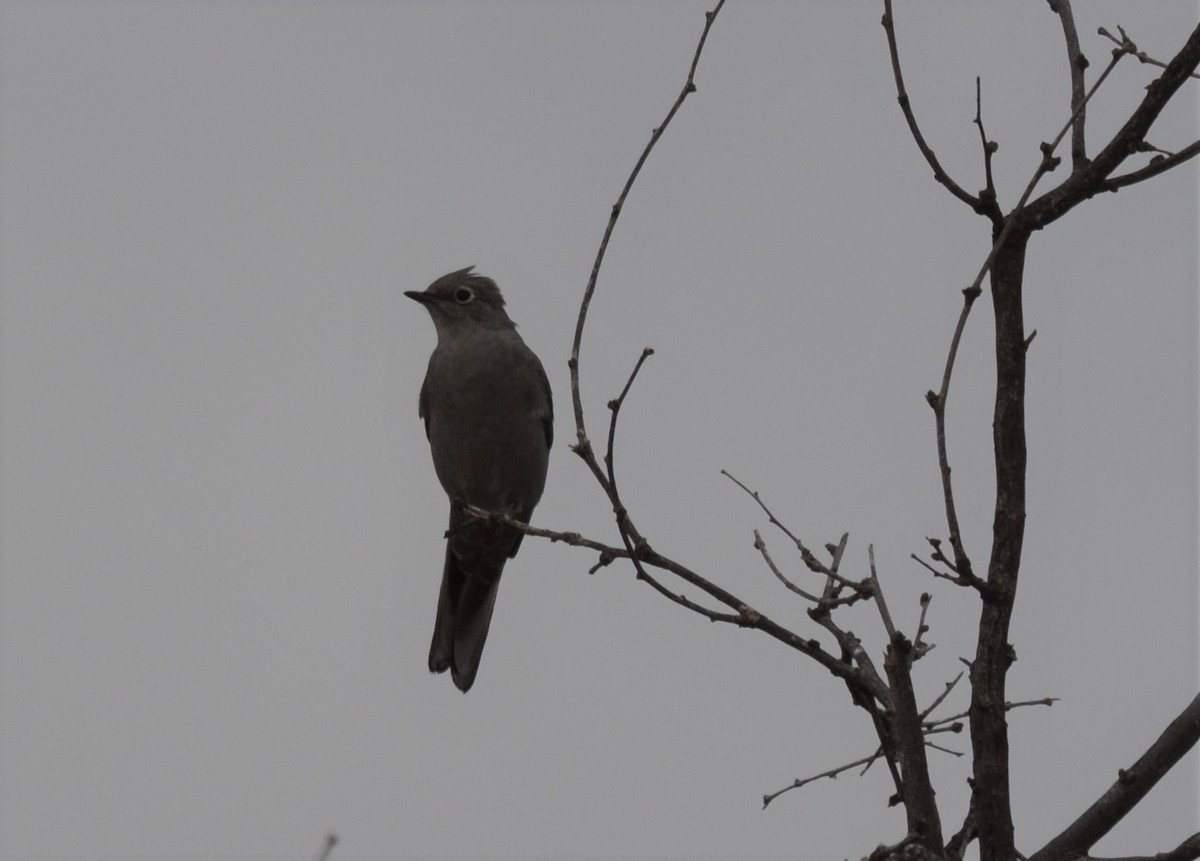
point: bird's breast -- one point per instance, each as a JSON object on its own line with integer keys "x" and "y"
{"x": 486, "y": 408}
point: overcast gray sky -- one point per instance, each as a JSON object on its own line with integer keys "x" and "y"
{"x": 221, "y": 529}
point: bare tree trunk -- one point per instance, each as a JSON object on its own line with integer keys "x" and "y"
{"x": 994, "y": 654}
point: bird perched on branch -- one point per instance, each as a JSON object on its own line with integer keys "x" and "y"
{"x": 490, "y": 422}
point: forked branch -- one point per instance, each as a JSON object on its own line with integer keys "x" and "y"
{"x": 983, "y": 207}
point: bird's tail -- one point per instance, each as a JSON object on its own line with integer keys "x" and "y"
{"x": 464, "y": 615}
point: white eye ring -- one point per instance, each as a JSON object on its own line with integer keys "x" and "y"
{"x": 463, "y": 295}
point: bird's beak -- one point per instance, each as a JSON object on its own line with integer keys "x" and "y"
{"x": 416, "y": 296}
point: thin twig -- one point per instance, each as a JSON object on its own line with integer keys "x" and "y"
{"x": 739, "y": 619}
{"x": 937, "y": 400}
{"x": 1128, "y": 46}
{"x": 831, "y": 774}
{"x": 955, "y": 727}
{"x": 614, "y": 406}
{"x": 809, "y": 559}
{"x": 1008, "y": 706}
{"x": 835, "y": 582}
{"x": 919, "y": 645}
{"x": 1157, "y": 165}
{"x": 938, "y": 747}
{"x": 940, "y": 698}
{"x": 953, "y": 578}
{"x": 761, "y": 547}
{"x": 989, "y": 147}
{"x": 884, "y": 614}
{"x": 574, "y": 539}
{"x": 815, "y": 565}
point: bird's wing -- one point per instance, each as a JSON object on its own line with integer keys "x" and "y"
{"x": 423, "y": 405}
{"x": 548, "y": 418}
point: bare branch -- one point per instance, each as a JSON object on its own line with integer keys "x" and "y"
{"x": 607, "y": 552}
{"x": 1129, "y": 47}
{"x": 879, "y": 601}
{"x": 1188, "y": 850}
{"x": 761, "y": 547}
{"x": 614, "y": 407}
{"x": 815, "y": 565}
{"x": 624, "y": 526}
{"x": 1157, "y": 165}
{"x": 861, "y": 680}
{"x": 864, "y": 684}
{"x": 937, "y": 400}
{"x": 682, "y": 600}
{"x": 907, "y": 740}
{"x": 956, "y": 846}
{"x": 835, "y": 581}
{"x": 953, "y": 578}
{"x": 977, "y": 204}
{"x": 809, "y": 559}
{"x": 831, "y": 774}
{"x": 1093, "y": 179}
{"x": 582, "y": 446}
{"x": 1008, "y": 706}
{"x": 941, "y": 697}
{"x": 744, "y": 616}
{"x": 955, "y": 727}
{"x": 1131, "y": 787}
{"x": 853, "y": 652}
{"x": 1078, "y": 63}
{"x": 989, "y": 147}
{"x": 941, "y": 749}
{"x": 918, "y": 644}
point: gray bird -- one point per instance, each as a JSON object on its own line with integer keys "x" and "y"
{"x": 490, "y": 422}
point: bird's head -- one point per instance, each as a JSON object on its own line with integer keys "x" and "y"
{"x": 463, "y": 299}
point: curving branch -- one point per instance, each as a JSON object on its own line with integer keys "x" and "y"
{"x": 961, "y": 565}
{"x": 582, "y": 446}
{"x": 1157, "y": 165}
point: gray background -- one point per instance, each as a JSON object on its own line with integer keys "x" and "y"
{"x": 222, "y": 532}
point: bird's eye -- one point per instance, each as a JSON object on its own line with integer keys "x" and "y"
{"x": 463, "y": 295}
